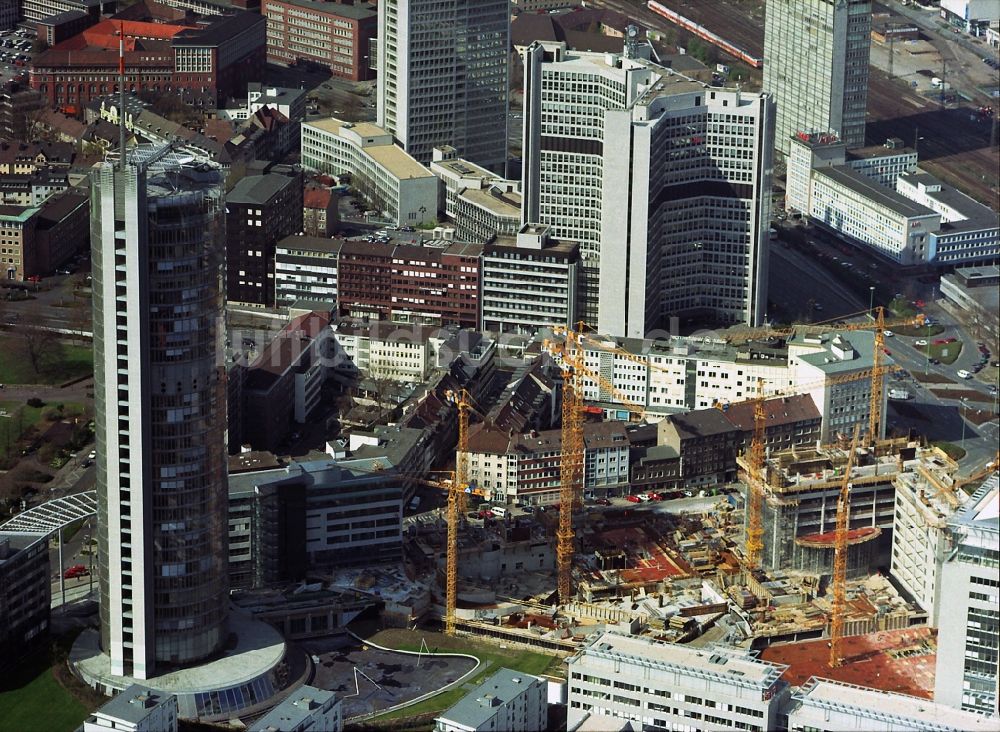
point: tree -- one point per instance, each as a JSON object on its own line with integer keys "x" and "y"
{"x": 40, "y": 346}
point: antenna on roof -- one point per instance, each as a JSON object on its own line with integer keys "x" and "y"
{"x": 121, "y": 89}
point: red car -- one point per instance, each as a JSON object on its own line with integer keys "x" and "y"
{"x": 77, "y": 570}
{"x": 632, "y": 498}
{"x": 656, "y": 496}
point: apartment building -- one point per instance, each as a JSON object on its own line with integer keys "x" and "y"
{"x": 260, "y": 210}
{"x": 480, "y": 203}
{"x": 443, "y": 77}
{"x": 823, "y": 705}
{"x": 335, "y": 36}
{"x": 817, "y": 54}
{"x": 672, "y": 686}
{"x": 305, "y": 268}
{"x": 529, "y": 282}
{"x": 967, "y": 666}
{"x": 319, "y": 211}
{"x": 678, "y": 374}
{"x": 689, "y": 163}
{"x": 17, "y": 234}
{"x": 389, "y": 351}
{"x": 507, "y": 700}
{"x": 396, "y": 184}
{"x": 523, "y": 469}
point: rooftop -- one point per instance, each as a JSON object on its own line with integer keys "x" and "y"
{"x": 293, "y": 711}
{"x": 494, "y": 199}
{"x": 133, "y": 704}
{"x": 899, "y": 661}
{"x": 361, "y": 11}
{"x": 740, "y": 668}
{"x": 311, "y": 244}
{"x": 848, "y": 177}
{"x": 259, "y": 189}
{"x": 480, "y": 705}
{"x": 221, "y": 30}
{"x": 975, "y": 215}
{"x": 780, "y": 411}
{"x": 701, "y": 423}
{"x": 907, "y": 712}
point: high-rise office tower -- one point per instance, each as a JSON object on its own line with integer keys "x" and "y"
{"x": 816, "y": 65}
{"x": 664, "y": 181}
{"x": 967, "y": 666}
{"x": 158, "y": 241}
{"x": 443, "y": 77}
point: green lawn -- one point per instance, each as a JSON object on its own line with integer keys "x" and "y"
{"x": 34, "y": 701}
{"x": 70, "y": 362}
{"x": 943, "y": 352}
{"x": 492, "y": 656}
{"x": 19, "y": 418}
{"x": 919, "y": 331}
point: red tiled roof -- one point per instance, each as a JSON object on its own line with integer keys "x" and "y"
{"x": 314, "y": 197}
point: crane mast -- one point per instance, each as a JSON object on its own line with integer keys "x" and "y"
{"x": 456, "y": 493}
{"x": 571, "y": 464}
{"x": 755, "y": 492}
{"x": 840, "y": 559}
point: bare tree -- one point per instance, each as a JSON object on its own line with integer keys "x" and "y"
{"x": 40, "y": 346}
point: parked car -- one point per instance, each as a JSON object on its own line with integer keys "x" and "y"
{"x": 963, "y": 374}
{"x": 602, "y": 502}
{"x": 77, "y": 570}
{"x": 920, "y": 342}
{"x": 632, "y": 498}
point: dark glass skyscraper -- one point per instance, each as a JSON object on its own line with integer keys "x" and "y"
{"x": 158, "y": 240}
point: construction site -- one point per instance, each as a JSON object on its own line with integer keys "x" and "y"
{"x": 795, "y": 563}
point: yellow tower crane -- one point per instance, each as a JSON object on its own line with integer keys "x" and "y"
{"x": 840, "y": 559}
{"x": 569, "y": 353}
{"x": 755, "y": 482}
{"x": 877, "y": 371}
{"x": 456, "y": 500}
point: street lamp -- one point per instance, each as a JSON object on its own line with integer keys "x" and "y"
{"x": 927, "y": 350}
{"x": 871, "y": 301}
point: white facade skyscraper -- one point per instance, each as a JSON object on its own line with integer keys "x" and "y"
{"x": 816, "y": 56}
{"x": 443, "y": 77}
{"x": 968, "y": 669}
{"x": 158, "y": 240}
{"x": 664, "y": 181}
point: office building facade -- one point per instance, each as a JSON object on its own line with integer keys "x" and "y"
{"x": 967, "y": 664}
{"x": 158, "y": 238}
{"x": 443, "y": 76}
{"x": 816, "y": 65}
{"x": 664, "y": 182}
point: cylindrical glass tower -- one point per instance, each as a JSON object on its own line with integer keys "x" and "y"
{"x": 158, "y": 239}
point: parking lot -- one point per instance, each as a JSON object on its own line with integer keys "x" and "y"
{"x": 15, "y": 52}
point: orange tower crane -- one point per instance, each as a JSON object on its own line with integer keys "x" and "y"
{"x": 877, "y": 371}
{"x": 840, "y": 559}
{"x": 569, "y": 353}
{"x": 456, "y": 500}
{"x": 755, "y": 492}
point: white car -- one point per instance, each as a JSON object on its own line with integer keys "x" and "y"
{"x": 963, "y": 374}
{"x": 644, "y": 497}
{"x": 888, "y": 333}
{"x": 920, "y": 342}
